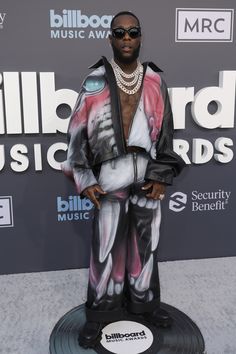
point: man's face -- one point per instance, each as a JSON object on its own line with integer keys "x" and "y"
{"x": 126, "y": 50}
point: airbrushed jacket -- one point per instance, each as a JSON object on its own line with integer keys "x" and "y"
{"x": 95, "y": 132}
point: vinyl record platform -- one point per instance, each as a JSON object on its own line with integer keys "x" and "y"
{"x": 129, "y": 335}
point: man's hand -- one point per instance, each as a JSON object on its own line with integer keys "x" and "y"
{"x": 157, "y": 190}
{"x": 92, "y": 193}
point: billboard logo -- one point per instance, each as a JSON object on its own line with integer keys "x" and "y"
{"x": 73, "y": 24}
{"x": 2, "y": 18}
{"x": 178, "y": 201}
{"x": 73, "y": 208}
{"x": 204, "y": 25}
{"x": 126, "y": 337}
{"x": 6, "y": 212}
{"x": 74, "y": 18}
{"x": 36, "y": 110}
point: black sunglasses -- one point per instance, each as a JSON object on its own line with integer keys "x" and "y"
{"x": 133, "y": 32}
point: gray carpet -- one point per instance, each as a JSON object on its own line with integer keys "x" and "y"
{"x": 205, "y": 290}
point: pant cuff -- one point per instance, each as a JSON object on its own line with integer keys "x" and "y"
{"x": 103, "y": 316}
{"x": 143, "y": 307}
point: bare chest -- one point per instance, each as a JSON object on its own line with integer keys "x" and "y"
{"x": 129, "y": 105}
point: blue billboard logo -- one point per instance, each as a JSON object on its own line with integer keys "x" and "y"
{"x": 73, "y": 208}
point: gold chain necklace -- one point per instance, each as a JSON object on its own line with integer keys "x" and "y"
{"x": 137, "y": 76}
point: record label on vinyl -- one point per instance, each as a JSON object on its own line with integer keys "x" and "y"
{"x": 126, "y": 337}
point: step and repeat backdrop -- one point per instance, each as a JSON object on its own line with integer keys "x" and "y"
{"x": 46, "y": 48}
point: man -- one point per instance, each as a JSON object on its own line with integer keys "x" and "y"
{"x": 121, "y": 157}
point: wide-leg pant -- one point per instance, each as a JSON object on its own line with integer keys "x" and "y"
{"x": 123, "y": 265}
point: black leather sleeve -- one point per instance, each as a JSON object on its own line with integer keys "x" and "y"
{"x": 77, "y": 164}
{"x": 167, "y": 163}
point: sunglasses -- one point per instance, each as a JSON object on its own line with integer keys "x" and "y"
{"x": 133, "y": 32}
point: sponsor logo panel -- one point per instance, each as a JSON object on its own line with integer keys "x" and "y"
{"x": 204, "y": 25}
{"x": 178, "y": 201}
{"x": 200, "y": 201}
{"x": 6, "y": 212}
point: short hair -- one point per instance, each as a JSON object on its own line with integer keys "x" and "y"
{"x": 124, "y": 13}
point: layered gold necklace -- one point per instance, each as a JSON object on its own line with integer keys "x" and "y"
{"x": 134, "y": 79}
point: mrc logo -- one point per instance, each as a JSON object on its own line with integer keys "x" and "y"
{"x": 204, "y": 25}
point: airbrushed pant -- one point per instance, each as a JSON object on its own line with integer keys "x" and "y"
{"x": 123, "y": 263}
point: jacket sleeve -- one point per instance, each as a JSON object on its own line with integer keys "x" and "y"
{"x": 77, "y": 166}
{"x": 167, "y": 163}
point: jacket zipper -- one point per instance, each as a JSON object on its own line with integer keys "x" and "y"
{"x": 135, "y": 166}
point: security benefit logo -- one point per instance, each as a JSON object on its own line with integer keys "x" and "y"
{"x": 6, "y": 212}
{"x": 204, "y": 25}
{"x": 178, "y": 201}
{"x": 73, "y": 24}
{"x": 73, "y": 208}
{"x": 126, "y": 337}
{"x": 200, "y": 201}
{"x": 2, "y": 19}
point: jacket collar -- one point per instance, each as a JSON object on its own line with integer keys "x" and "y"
{"x": 104, "y": 60}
